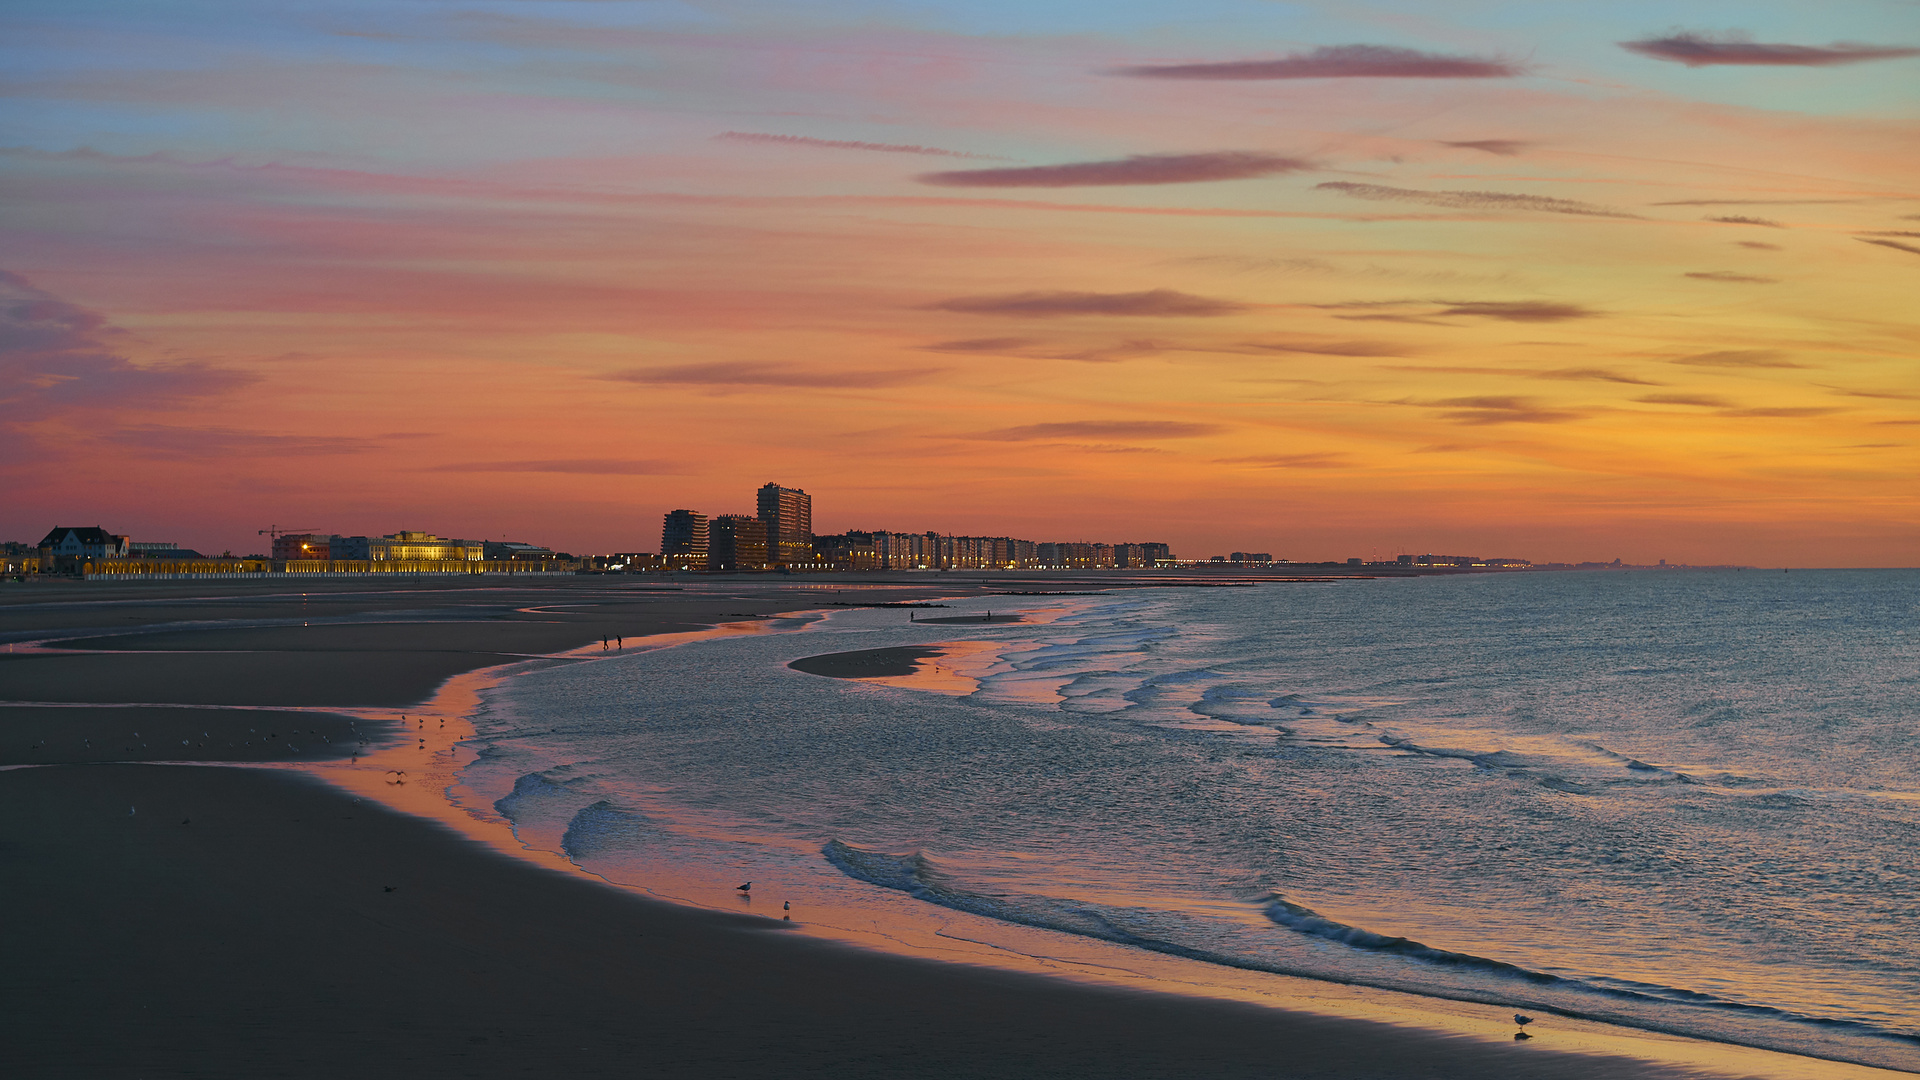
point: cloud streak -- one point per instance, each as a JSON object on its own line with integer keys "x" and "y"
{"x": 1701, "y": 50}
{"x": 1331, "y": 348}
{"x": 1472, "y": 200}
{"x": 1894, "y": 244}
{"x": 845, "y": 144}
{"x": 1704, "y": 401}
{"x": 187, "y": 443}
{"x": 580, "y": 466}
{"x": 1487, "y": 410}
{"x": 1156, "y": 303}
{"x": 979, "y": 345}
{"x": 753, "y": 374}
{"x": 1337, "y": 62}
{"x": 1501, "y": 147}
{"x": 1730, "y": 278}
{"x": 1736, "y": 219}
{"x": 1289, "y": 461}
{"x": 1528, "y": 311}
{"x": 1738, "y": 358}
{"x": 1138, "y": 169}
{"x": 1098, "y": 429}
{"x": 58, "y": 358}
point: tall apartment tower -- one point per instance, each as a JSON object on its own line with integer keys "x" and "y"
{"x": 739, "y": 543}
{"x": 788, "y": 515}
{"x": 683, "y": 540}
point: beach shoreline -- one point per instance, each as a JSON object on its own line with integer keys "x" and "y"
{"x": 268, "y": 893}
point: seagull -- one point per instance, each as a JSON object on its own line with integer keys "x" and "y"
{"x": 1523, "y": 1021}
{"x": 186, "y": 821}
{"x": 747, "y": 888}
{"x": 389, "y": 888}
{"x": 788, "y": 906}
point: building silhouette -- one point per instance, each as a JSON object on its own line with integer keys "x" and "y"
{"x": 788, "y": 515}
{"x": 737, "y": 542}
{"x": 684, "y": 538}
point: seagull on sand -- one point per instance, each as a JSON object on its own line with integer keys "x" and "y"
{"x": 1523, "y": 1021}
{"x": 747, "y": 888}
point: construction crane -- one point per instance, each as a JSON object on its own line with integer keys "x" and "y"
{"x": 276, "y": 532}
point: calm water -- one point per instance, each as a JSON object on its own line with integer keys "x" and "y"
{"x": 1684, "y": 801}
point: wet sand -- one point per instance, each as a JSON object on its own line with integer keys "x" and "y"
{"x": 193, "y": 920}
{"x": 262, "y": 939}
{"x": 866, "y": 663}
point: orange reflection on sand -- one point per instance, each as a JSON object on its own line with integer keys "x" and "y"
{"x": 941, "y": 674}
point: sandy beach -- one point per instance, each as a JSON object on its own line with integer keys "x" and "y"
{"x": 209, "y": 921}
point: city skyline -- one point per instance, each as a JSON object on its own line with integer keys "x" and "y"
{"x": 1570, "y": 282}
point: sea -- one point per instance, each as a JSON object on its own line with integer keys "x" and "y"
{"x": 1684, "y": 801}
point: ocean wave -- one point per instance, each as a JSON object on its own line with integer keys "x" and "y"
{"x": 922, "y": 878}
{"x": 529, "y": 788}
{"x": 1306, "y": 921}
{"x": 603, "y": 827}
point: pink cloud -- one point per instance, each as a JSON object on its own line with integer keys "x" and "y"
{"x": 1155, "y": 302}
{"x": 1470, "y": 200}
{"x": 1138, "y": 169}
{"x": 1339, "y": 62}
{"x": 844, "y": 144}
{"x": 1700, "y": 50}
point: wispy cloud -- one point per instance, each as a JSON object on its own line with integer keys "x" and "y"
{"x": 1735, "y": 219}
{"x": 1731, "y": 278}
{"x": 846, "y": 144}
{"x": 1339, "y": 62}
{"x": 980, "y": 345}
{"x": 1781, "y": 413}
{"x": 1502, "y": 147}
{"x": 750, "y": 373}
{"x": 1739, "y": 358}
{"x": 583, "y": 466}
{"x": 163, "y": 440}
{"x": 1154, "y": 303}
{"x": 1704, "y": 401}
{"x": 1330, "y": 348}
{"x": 1758, "y": 245}
{"x": 1138, "y": 169}
{"x": 1890, "y": 395}
{"x": 1112, "y": 354}
{"x": 58, "y": 358}
{"x": 1891, "y": 232}
{"x": 1755, "y": 202}
{"x": 1471, "y": 200}
{"x": 1590, "y": 375}
{"x": 1478, "y": 411}
{"x": 1290, "y": 461}
{"x": 1703, "y": 50}
{"x": 1098, "y": 429}
{"x": 1518, "y": 310}
{"x": 1894, "y": 244}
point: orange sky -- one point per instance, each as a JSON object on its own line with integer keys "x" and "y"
{"x": 541, "y": 273}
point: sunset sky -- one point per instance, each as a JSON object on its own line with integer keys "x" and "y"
{"x": 1556, "y": 281}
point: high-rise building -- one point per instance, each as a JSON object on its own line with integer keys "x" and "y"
{"x": 788, "y": 516}
{"x": 684, "y": 539}
{"x": 737, "y": 542}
